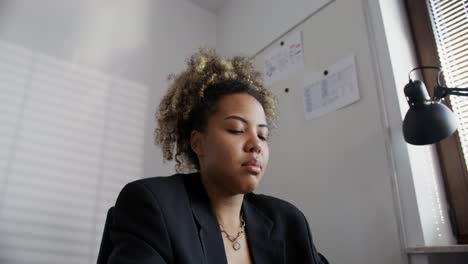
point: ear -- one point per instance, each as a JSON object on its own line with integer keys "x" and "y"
{"x": 196, "y": 142}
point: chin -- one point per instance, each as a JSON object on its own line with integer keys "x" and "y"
{"x": 249, "y": 185}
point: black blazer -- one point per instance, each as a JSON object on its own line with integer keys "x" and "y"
{"x": 170, "y": 220}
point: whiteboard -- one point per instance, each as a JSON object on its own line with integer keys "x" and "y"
{"x": 335, "y": 168}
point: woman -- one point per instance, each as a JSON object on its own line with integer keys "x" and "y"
{"x": 215, "y": 121}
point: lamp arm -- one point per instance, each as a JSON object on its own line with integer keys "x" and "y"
{"x": 440, "y": 92}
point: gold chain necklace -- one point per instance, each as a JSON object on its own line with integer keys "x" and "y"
{"x": 235, "y": 244}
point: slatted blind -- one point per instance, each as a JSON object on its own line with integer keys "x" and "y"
{"x": 450, "y": 26}
{"x": 70, "y": 138}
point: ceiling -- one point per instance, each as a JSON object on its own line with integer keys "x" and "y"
{"x": 211, "y": 5}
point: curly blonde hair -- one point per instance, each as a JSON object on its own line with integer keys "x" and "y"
{"x": 192, "y": 97}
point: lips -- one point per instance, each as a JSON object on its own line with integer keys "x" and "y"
{"x": 253, "y": 165}
{"x": 252, "y": 162}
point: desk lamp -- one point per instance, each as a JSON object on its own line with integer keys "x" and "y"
{"x": 428, "y": 120}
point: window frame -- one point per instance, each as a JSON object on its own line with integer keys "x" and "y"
{"x": 450, "y": 153}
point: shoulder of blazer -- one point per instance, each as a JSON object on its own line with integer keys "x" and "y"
{"x": 165, "y": 189}
{"x": 161, "y": 182}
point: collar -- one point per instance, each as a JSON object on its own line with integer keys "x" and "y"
{"x": 263, "y": 248}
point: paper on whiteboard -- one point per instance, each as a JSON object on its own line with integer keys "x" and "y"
{"x": 284, "y": 60}
{"x": 331, "y": 92}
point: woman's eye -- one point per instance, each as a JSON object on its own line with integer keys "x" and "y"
{"x": 233, "y": 131}
{"x": 263, "y": 138}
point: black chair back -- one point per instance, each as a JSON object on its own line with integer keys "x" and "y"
{"x": 106, "y": 243}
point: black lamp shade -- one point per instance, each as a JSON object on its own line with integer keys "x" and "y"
{"x": 428, "y": 123}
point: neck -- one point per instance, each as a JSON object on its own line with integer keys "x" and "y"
{"x": 227, "y": 207}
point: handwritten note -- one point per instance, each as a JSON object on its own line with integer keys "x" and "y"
{"x": 280, "y": 62}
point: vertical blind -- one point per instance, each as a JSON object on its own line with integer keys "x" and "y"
{"x": 70, "y": 138}
{"x": 450, "y": 26}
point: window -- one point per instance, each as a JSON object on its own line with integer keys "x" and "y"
{"x": 70, "y": 138}
{"x": 450, "y": 25}
{"x": 440, "y": 34}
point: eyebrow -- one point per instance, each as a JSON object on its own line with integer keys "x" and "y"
{"x": 243, "y": 120}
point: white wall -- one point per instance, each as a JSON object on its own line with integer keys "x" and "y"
{"x": 129, "y": 46}
{"x": 141, "y": 40}
{"x": 335, "y": 168}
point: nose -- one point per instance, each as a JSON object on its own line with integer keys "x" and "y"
{"x": 254, "y": 145}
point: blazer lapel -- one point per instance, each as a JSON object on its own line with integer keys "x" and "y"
{"x": 208, "y": 228}
{"x": 263, "y": 248}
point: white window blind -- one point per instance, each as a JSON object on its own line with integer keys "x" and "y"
{"x": 450, "y": 26}
{"x": 70, "y": 138}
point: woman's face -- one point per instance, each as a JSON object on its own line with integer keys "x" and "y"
{"x": 233, "y": 150}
